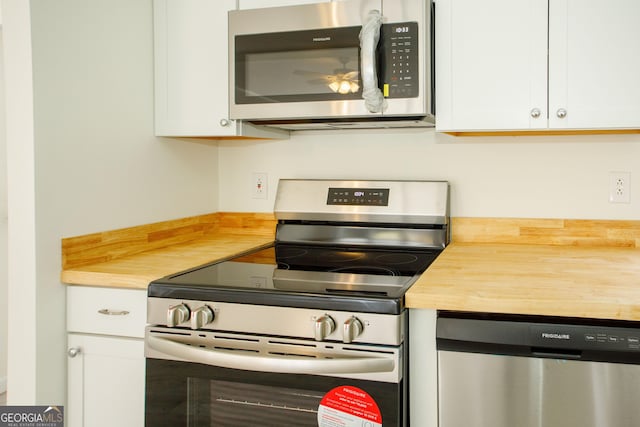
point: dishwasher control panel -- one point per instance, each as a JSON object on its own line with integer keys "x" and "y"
{"x": 633, "y": 342}
{"x": 538, "y": 336}
{"x": 586, "y": 337}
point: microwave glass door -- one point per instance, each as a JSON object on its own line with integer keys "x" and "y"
{"x": 196, "y": 395}
{"x": 298, "y": 66}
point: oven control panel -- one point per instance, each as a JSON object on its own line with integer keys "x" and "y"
{"x": 358, "y": 196}
{"x": 307, "y": 323}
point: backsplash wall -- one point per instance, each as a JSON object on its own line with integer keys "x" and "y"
{"x": 507, "y": 176}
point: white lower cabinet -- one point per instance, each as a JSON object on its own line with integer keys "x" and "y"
{"x": 105, "y": 381}
{"x": 106, "y": 364}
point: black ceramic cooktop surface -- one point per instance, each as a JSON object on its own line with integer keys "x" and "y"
{"x": 347, "y": 278}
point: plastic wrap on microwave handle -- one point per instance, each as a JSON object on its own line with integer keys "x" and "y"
{"x": 369, "y": 36}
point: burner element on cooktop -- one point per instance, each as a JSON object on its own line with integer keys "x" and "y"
{"x": 395, "y": 259}
{"x": 364, "y": 269}
{"x": 287, "y": 253}
{"x": 353, "y": 261}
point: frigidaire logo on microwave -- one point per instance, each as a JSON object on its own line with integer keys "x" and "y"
{"x": 555, "y": 336}
{"x": 322, "y": 39}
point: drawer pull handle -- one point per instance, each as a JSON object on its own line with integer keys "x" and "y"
{"x": 108, "y": 312}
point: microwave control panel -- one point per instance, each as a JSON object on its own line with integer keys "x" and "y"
{"x": 399, "y": 58}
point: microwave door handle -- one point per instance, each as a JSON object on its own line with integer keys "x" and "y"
{"x": 369, "y": 36}
{"x": 289, "y": 365}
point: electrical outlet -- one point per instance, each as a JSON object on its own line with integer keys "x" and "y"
{"x": 619, "y": 187}
{"x": 259, "y": 185}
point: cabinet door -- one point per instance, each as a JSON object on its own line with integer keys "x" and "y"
{"x": 106, "y": 381}
{"x": 594, "y": 64}
{"x": 191, "y": 67}
{"x": 491, "y": 67}
{"x": 255, "y": 4}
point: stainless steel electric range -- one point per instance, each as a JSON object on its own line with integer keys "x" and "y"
{"x": 308, "y": 331}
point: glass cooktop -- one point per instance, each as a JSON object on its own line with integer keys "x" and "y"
{"x": 289, "y": 274}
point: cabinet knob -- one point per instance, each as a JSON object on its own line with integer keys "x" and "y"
{"x": 225, "y": 122}
{"x": 535, "y": 113}
{"x": 74, "y": 351}
{"x": 561, "y": 113}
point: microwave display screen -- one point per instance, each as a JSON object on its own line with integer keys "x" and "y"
{"x": 303, "y": 72}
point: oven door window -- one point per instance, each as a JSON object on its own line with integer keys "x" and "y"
{"x": 298, "y": 66}
{"x": 191, "y": 394}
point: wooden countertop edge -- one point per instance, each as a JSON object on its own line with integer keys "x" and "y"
{"x": 546, "y": 280}
{"x": 105, "y": 280}
{"x": 517, "y": 306}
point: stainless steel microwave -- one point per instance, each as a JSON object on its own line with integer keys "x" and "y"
{"x": 345, "y": 64}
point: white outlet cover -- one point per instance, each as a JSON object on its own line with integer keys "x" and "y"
{"x": 619, "y": 187}
{"x": 259, "y": 185}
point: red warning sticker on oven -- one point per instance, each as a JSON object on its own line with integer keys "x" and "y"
{"x": 347, "y": 406}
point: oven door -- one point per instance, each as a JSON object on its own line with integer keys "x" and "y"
{"x": 191, "y": 381}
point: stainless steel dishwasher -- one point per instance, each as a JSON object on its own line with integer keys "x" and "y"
{"x": 520, "y": 371}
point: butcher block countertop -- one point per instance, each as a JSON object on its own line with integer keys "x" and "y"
{"x": 554, "y": 267}
{"x": 574, "y": 268}
{"x": 133, "y": 257}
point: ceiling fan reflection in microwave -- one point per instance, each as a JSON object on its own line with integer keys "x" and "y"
{"x": 342, "y": 81}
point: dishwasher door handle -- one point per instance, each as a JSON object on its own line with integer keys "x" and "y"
{"x": 556, "y": 353}
{"x": 290, "y": 365}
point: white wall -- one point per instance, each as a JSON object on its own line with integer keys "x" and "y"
{"x": 3, "y": 231}
{"x": 524, "y": 176}
{"x": 93, "y": 63}
{"x": 95, "y": 164}
{"x": 21, "y": 334}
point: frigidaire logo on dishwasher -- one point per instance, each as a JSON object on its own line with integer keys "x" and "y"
{"x": 555, "y": 336}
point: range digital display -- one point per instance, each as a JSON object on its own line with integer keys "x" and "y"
{"x": 358, "y": 196}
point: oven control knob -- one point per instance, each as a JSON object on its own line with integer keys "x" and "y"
{"x": 201, "y": 316}
{"x": 177, "y": 314}
{"x": 351, "y": 329}
{"x": 325, "y": 325}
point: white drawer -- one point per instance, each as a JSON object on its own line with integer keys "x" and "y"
{"x": 107, "y": 311}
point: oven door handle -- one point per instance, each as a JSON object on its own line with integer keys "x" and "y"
{"x": 289, "y": 365}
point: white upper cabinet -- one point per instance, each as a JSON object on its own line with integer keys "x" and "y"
{"x": 191, "y": 70}
{"x": 492, "y": 71}
{"x": 491, "y": 68}
{"x": 594, "y": 64}
{"x": 255, "y": 4}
